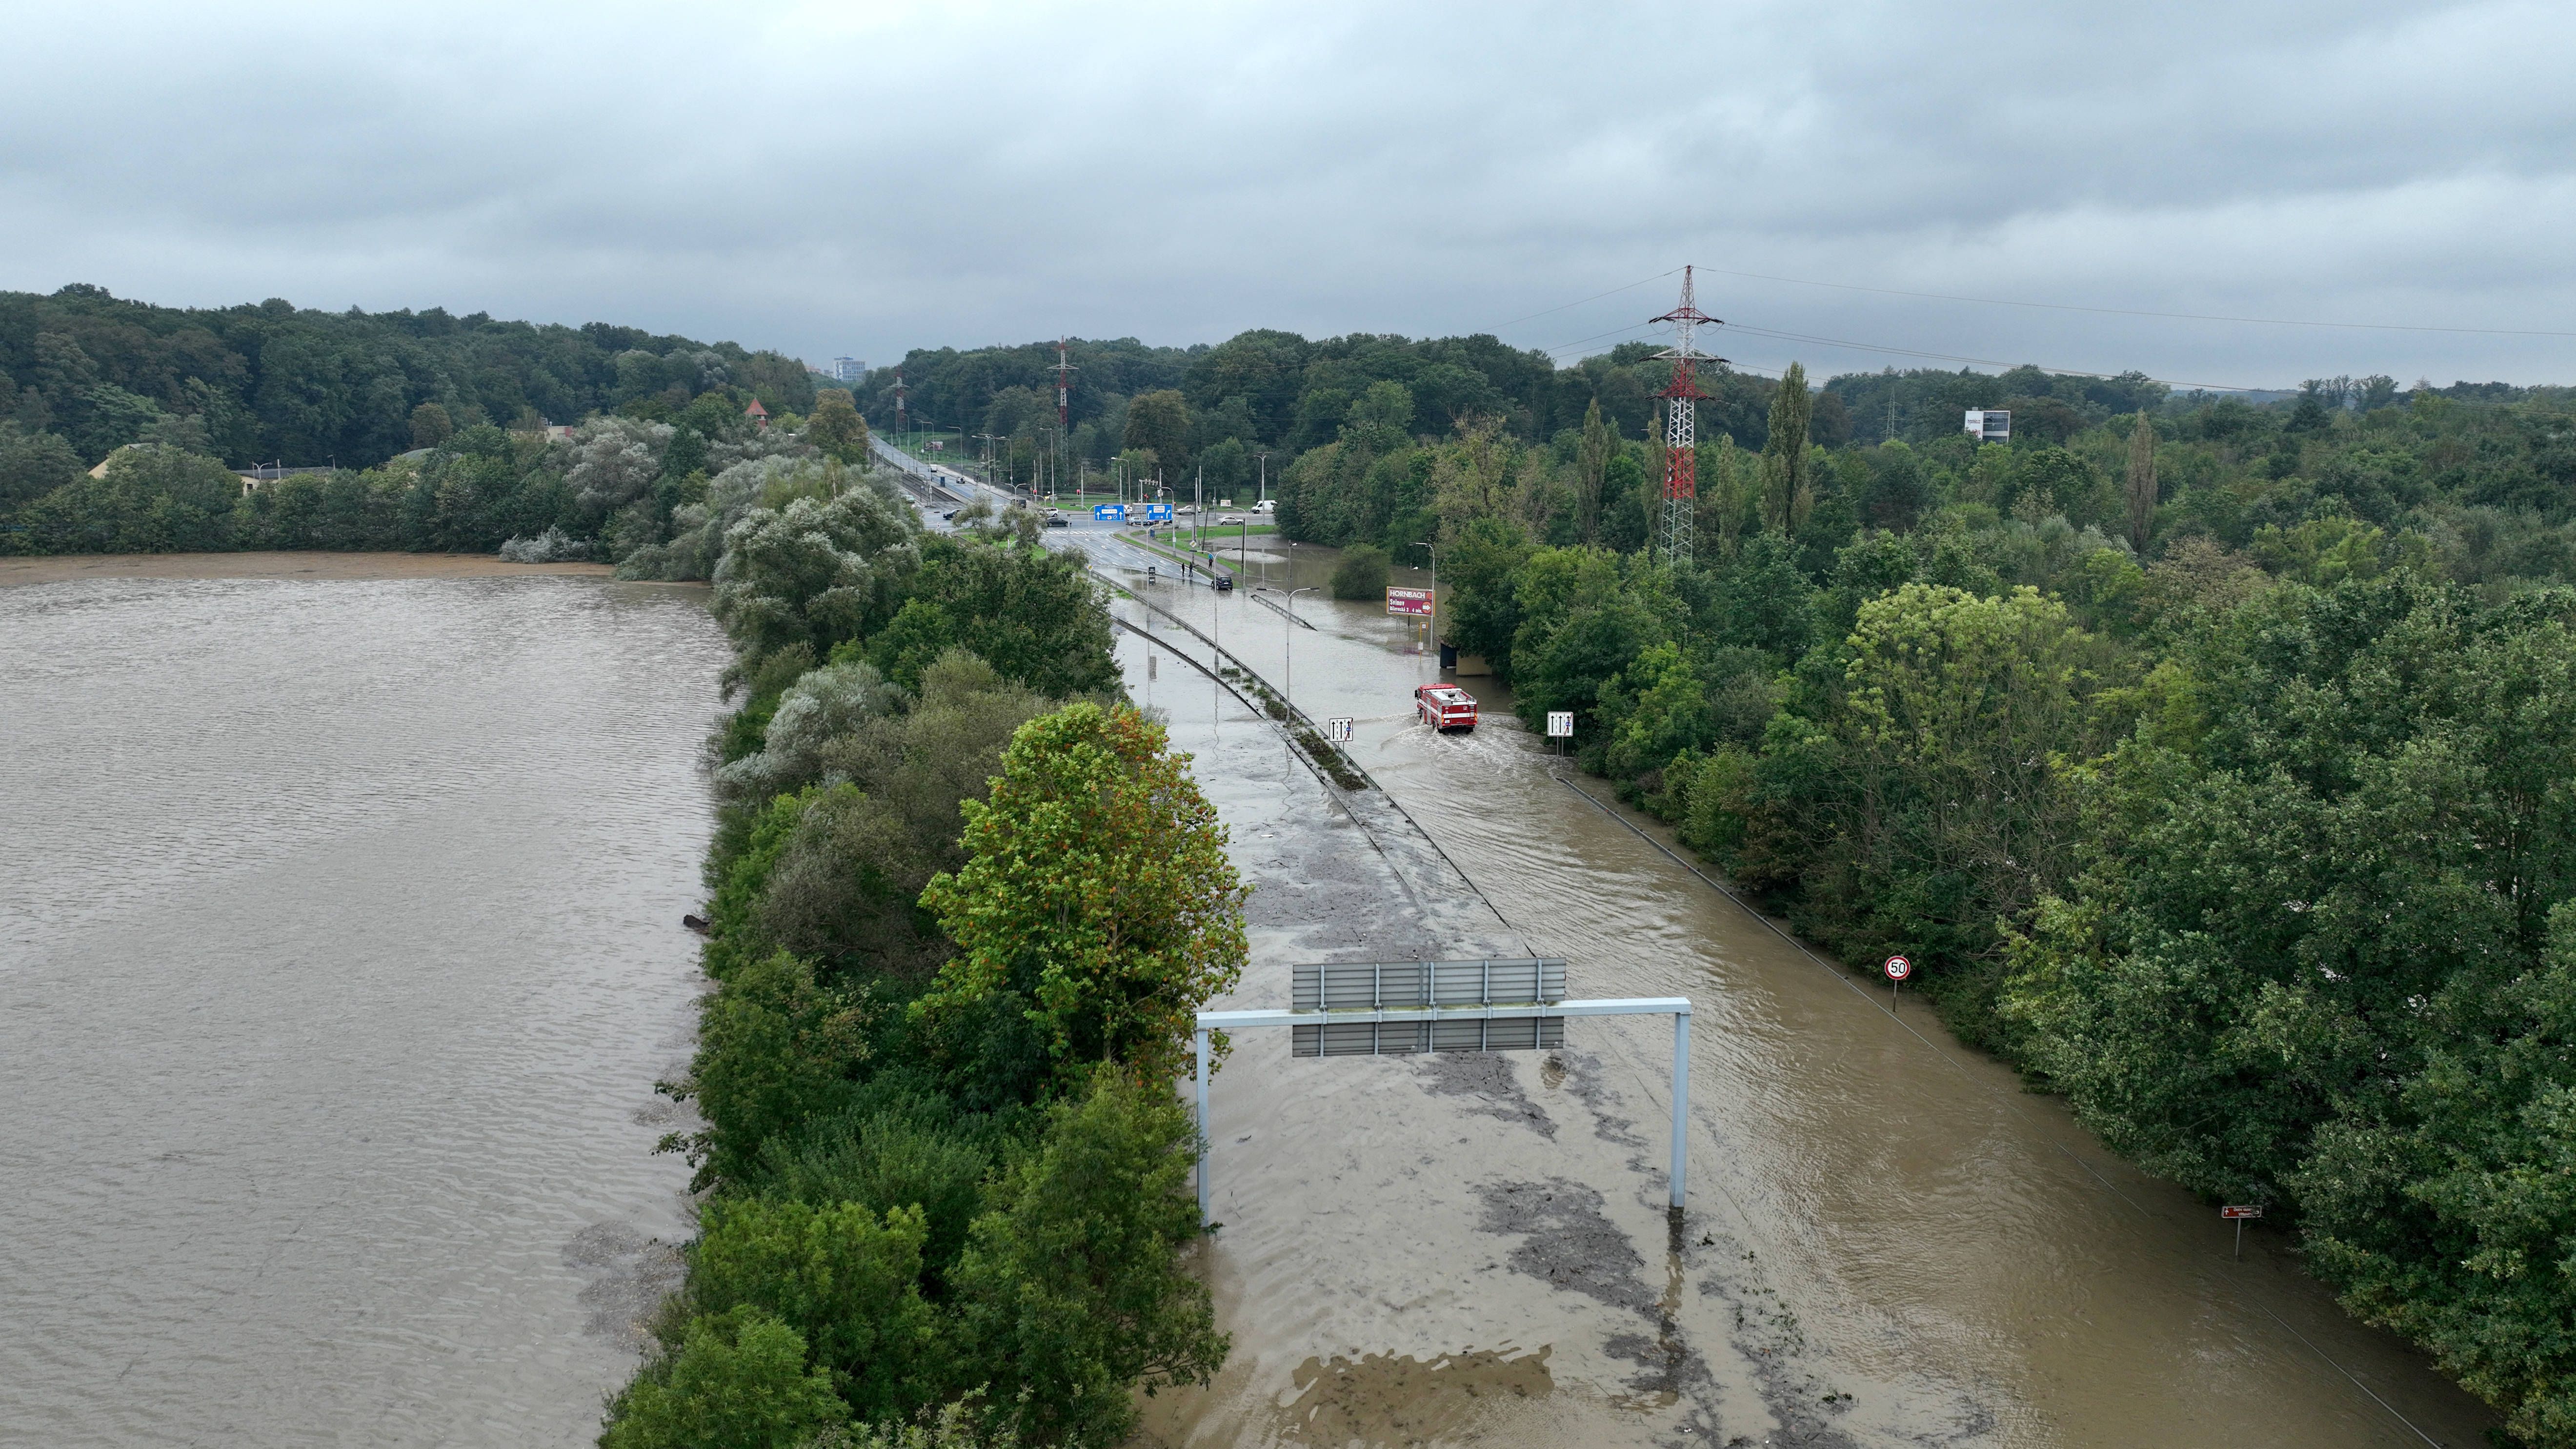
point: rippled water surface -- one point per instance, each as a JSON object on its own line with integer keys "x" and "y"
{"x": 338, "y": 956}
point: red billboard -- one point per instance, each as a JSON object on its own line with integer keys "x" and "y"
{"x": 1413, "y": 602}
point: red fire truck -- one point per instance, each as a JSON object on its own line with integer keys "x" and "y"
{"x": 1445, "y": 707}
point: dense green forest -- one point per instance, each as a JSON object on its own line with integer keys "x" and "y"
{"x": 273, "y": 383}
{"x": 965, "y": 903}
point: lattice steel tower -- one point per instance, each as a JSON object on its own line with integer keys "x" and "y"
{"x": 1681, "y": 424}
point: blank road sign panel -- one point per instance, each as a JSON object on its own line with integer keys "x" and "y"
{"x": 1478, "y": 986}
{"x": 1411, "y": 1038}
{"x": 1369, "y": 985}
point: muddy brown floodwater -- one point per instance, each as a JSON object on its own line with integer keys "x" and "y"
{"x": 339, "y": 952}
{"x": 1887, "y": 1241}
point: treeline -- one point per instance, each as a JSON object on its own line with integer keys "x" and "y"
{"x": 2212, "y": 761}
{"x": 965, "y": 903}
{"x": 1177, "y": 413}
{"x": 282, "y": 384}
{"x": 652, "y": 496}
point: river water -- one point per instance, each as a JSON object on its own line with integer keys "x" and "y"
{"x": 1887, "y": 1241}
{"x": 339, "y": 952}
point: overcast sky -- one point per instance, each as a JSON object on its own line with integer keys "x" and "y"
{"x": 862, "y": 178}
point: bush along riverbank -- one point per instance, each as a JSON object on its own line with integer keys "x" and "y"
{"x": 965, "y": 902}
{"x": 2256, "y": 843}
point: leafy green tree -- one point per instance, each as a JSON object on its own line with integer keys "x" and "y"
{"x": 842, "y": 884}
{"x": 1159, "y": 422}
{"x": 2449, "y": 1219}
{"x": 1074, "y": 1294}
{"x": 1479, "y": 589}
{"x": 1914, "y": 797}
{"x": 1361, "y": 574}
{"x": 737, "y": 1382}
{"x": 2141, "y": 481}
{"x": 775, "y": 1048}
{"x": 837, "y": 428}
{"x": 32, "y": 465}
{"x": 1599, "y": 439}
{"x": 1025, "y": 609}
{"x": 1097, "y": 889}
{"x": 813, "y": 573}
{"x": 431, "y": 425}
{"x": 150, "y": 499}
{"x": 1585, "y": 614}
{"x": 845, "y": 1277}
{"x": 1627, "y": 519}
{"x": 1788, "y": 485}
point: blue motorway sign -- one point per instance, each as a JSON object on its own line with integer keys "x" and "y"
{"x": 1109, "y": 512}
{"x": 1158, "y": 513}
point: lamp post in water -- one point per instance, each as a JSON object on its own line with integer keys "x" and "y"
{"x": 1288, "y": 632}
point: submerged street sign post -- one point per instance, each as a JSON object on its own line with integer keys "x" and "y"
{"x": 1411, "y": 603}
{"x": 1897, "y": 969}
{"x": 1400, "y": 1008}
{"x": 2237, "y": 1214}
{"x": 1338, "y": 729}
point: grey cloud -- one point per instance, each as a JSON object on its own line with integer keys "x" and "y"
{"x": 829, "y": 180}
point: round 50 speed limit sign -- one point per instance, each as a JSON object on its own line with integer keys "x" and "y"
{"x": 1898, "y": 968}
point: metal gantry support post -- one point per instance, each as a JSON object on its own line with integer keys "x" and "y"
{"x": 1678, "y": 1007}
{"x": 1681, "y": 1098}
{"x": 1207, "y": 1139}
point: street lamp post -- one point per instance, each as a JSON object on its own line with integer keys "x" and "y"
{"x": 1288, "y": 631}
{"x": 1434, "y": 616}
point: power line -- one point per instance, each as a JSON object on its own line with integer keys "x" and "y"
{"x": 2134, "y": 312}
{"x": 1595, "y": 297}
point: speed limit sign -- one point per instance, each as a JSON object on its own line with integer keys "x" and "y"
{"x": 1898, "y": 968}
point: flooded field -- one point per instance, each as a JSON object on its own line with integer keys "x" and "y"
{"x": 339, "y": 952}
{"x": 1887, "y": 1241}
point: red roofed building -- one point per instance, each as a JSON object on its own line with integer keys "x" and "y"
{"x": 757, "y": 413}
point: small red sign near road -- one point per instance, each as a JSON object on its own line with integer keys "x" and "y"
{"x": 1898, "y": 968}
{"x": 2236, "y": 1214}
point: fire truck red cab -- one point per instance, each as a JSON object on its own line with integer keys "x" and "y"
{"x": 1445, "y": 707}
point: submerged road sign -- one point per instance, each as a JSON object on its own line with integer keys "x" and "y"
{"x": 1338, "y": 729}
{"x": 1898, "y": 968}
{"x": 2238, "y": 1215}
{"x": 1560, "y": 724}
{"x": 1413, "y": 603}
{"x": 1398, "y": 1008}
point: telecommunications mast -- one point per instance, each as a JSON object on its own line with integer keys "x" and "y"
{"x": 1681, "y": 425}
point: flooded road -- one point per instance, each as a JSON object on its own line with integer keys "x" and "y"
{"x": 1887, "y": 1242}
{"x": 339, "y": 952}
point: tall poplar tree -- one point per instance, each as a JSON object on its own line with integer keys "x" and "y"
{"x": 2142, "y": 480}
{"x": 1598, "y": 440}
{"x": 1786, "y": 489}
